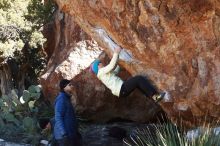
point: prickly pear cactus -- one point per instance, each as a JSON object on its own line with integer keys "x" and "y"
{"x": 33, "y": 93}
{"x": 20, "y": 115}
{"x": 29, "y": 125}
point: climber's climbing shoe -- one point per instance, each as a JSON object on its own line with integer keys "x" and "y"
{"x": 158, "y": 97}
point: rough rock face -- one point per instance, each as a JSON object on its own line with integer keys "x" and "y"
{"x": 60, "y": 42}
{"x": 72, "y": 51}
{"x": 175, "y": 43}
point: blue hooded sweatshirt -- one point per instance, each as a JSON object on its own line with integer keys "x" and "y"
{"x": 65, "y": 119}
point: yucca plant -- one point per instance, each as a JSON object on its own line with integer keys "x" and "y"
{"x": 168, "y": 134}
{"x": 208, "y": 137}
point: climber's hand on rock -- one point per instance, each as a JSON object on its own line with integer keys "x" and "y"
{"x": 117, "y": 50}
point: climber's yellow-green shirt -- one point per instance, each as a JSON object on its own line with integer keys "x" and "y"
{"x": 108, "y": 76}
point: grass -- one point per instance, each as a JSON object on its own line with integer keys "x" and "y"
{"x": 168, "y": 134}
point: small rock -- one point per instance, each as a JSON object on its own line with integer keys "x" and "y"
{"x": 45, "y": 142}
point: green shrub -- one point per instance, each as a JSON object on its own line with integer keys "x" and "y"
{"x": 168, "y": 135}
{"x": 20, "y": 115}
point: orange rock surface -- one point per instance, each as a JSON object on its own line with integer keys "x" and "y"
{"x": 174, "y": 43}
{"x": 71, "y": 52}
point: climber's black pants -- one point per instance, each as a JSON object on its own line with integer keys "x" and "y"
{"x": 140, "y": 83}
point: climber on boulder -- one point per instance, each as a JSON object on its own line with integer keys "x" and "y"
{"x": 120, "y": 88}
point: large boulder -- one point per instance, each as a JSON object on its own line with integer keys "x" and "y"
{"x": 71, "y": 54}
{"x": 175, "y": 43}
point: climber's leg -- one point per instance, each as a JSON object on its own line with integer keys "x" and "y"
{"x": 137, "y": 82}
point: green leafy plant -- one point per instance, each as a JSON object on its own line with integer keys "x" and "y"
{"x": 20, "y": 115}
{"x": 40, "y": 13}
{"x": 168, "y": 134}
{"x": 22, "y": 55}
